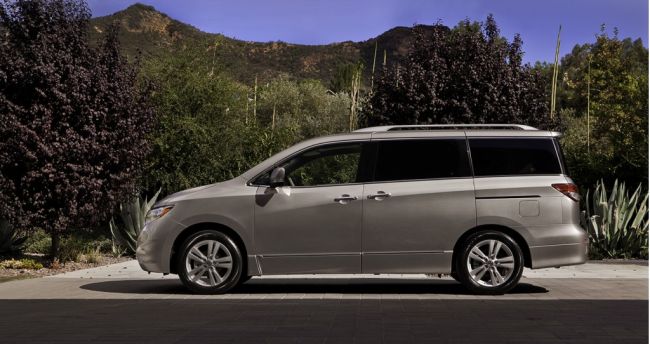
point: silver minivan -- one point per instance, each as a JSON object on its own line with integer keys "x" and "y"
{"x": 477, "y": 202}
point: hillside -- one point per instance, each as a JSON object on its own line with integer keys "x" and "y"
{"x": 143, "y": 28}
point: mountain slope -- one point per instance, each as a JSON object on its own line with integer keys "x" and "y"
{"x": 143, "y": 28}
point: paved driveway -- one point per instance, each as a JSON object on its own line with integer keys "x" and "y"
{"x": 119, "y": 303}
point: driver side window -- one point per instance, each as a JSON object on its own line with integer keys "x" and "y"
{"x": 324, "y": 165}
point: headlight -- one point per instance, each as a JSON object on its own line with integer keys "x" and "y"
{"x": 157, "y": 213}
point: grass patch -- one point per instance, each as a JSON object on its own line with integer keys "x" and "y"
{"x": 19, "y": 264}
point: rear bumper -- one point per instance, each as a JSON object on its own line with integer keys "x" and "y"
{"x": 559, "y": 255}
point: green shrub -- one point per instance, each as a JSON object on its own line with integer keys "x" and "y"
{"x": 103, "y": 245}
{"x": 10, "y": 241}
{"x": 38, "y": 242}
{"x": 71, "y": 248}
{"x": 617, "y": 223}
{"x": 211, "y": 128}
{"x": 587, "y": 166}
{"x": 24, "y": 263}
{"x": 133, "y": 216}
{"x": 90, "y": 256}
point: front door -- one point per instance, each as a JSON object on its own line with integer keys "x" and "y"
{"x": 313, "y": 223}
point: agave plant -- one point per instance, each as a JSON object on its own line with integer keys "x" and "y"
{"x": 133, "y": 216}
{"x": 617, "y": 223}
{"x": 10, "y": 241}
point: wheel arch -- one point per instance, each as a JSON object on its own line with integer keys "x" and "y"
{"x": 195, "y": 228}
{"x": 518, "y": 238}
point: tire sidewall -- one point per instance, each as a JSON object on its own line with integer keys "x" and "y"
{"x": 464, "y": 275}
{"x": 235, "y": 273}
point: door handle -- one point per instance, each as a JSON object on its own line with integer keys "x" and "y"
{"x": 345, "y": 198}
{"x": 379, "y": 196}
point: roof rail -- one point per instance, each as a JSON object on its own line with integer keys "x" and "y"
{"x": 446, "y": 126}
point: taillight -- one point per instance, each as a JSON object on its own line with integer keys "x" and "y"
{"x": 568, "y": 189}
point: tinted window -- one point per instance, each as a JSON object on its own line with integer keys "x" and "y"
{"x": 498, "y": 157}
{"x": 330, "y": 164}
{"x": 421, "y": 159}
{"x": 562, "y": 160}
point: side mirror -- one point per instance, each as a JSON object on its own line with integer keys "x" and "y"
{"x": 277, "y": 177}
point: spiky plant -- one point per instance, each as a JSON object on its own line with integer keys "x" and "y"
{"x": 133, "y": 216}
{"x": 10, "y": 241}
{"x": 617, "y": 223}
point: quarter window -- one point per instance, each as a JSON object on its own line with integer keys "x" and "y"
{"x": 421, "y": 159}
{"x": 514, "y": 156}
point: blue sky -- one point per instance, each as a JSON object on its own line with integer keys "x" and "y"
{"x": 321, "y": 22}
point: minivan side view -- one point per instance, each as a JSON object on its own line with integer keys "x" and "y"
{"x": 477, "y": 202}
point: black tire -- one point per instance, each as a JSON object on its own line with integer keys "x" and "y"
{"x": 463, "y": 272}
{"x": 229, "y": 281}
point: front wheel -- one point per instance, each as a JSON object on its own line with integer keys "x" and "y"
{"x": 210, "y": 263}
{"x": 490, "y": 262}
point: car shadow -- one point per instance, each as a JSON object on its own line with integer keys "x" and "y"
{"x": 306, "y": 286}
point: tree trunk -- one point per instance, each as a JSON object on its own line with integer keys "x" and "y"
{"x": 54, "y": 249}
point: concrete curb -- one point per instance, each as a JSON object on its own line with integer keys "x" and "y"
{"x": 641, "y": 262}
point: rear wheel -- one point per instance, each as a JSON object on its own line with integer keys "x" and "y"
{"x": 490, "y": 262}
{"x": 210, "y": 263}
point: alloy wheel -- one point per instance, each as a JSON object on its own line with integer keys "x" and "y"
{"x": 208, "y": 263}
{"x": 490, "y": 263}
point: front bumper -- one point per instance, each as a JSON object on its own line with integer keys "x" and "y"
{"x": 154, "y": 247}
{"x": 147, "y": 253}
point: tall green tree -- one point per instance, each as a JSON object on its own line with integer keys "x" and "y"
{"x": 620, "y": 106}
{"x": 617, "y": 82}
{"x": 73, "y": 121}
{"x": 469, "y": 74}
{"x": 199, "y": 110}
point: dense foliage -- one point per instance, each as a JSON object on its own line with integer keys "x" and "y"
{"x": 614, "y": 73}
{"x": 212, "y": 128}
{"x": 73, "y": 120}
{"x": 468, "y": 74}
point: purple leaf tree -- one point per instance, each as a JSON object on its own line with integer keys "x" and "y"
{"x": 74, "y": 119}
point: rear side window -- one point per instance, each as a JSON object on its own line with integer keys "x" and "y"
{"x": 421, "y": 159}
{"x": 562, "y": 160}
{"x": 514, "y": 156}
